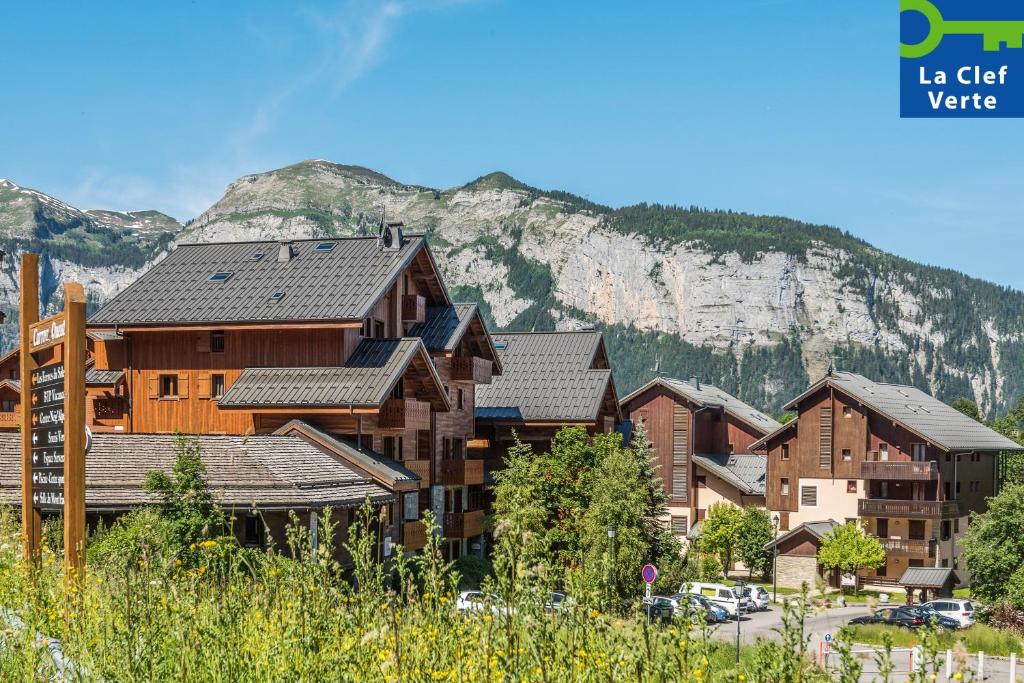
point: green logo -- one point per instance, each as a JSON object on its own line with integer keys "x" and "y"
{"x": 994, "y": 33}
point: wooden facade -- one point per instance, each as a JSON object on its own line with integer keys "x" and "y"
{"x": 678, "y": 428}
{"x": 842, "y": 459}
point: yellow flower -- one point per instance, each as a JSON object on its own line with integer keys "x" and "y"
{"x": 206, "y": 545}
{"x": 957, "y": 676}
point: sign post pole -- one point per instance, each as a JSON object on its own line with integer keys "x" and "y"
{"x": 53, "y": 417}
{"x": 74, "y": 430}
{"x": 31, "y": 520}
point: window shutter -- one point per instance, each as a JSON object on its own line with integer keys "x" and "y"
{"x": 204, "y": 385}
{"x": 825, "y": 440}
{"x": 203, "y": 342}
{"x": 183, "y": 385}
{"x": 680, "y": 483}
{"x": 809, "y": 495}
{"x": 680, "y": 434}
{"x": 153, "y": 386}
{"x": 679, "y": 526}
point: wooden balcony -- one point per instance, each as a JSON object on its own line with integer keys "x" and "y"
{"x": 899, "y": 471}
{"x": 9, "y": 420}
{"x": 907, "y": 547}
{"x": 462, "y": 472}
{"x": 463, "y": 524}
{"x": 414, "y": 308}
{"x": 471, "y": 369}
{"x": 421, "y": 468}
{"x": 414, "y": 535}
{"x": 916, "y": 509}
{"x": 404, "y": 413}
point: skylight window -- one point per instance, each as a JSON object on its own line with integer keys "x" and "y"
{"x": 221, "y": 276}
{"x": 258, "y": 256}
{"x": 325, "y": 246}
{"x": 500, "y": 345}
{"x": 276, "y": 296}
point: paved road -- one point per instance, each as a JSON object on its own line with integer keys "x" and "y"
{"x": 817, "y": 624}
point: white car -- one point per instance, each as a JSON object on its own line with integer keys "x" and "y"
{"x": 482, "y": 603}
{"x": 727, "y": 597}
{"x": 960, "y": 610}
{"x": 758, "y": 595}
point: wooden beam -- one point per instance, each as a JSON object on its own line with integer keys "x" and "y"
{"x": 31, "y": 520}
{"x": 74, "y": 431}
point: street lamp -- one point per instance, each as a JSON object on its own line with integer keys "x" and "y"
{"x": 738, "y": 588}
{"x": 611, "y": 557}
{"x": 775, "y": 559}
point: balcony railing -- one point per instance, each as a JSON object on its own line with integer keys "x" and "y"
{"x": 421, "y": 468}
{"x": 414, "y": 535}
{"x": 9, "y": 420}
{"x": 414, "y": 308}
{"x": 404, "y": 413}
{"x": 925, "y": 509}
{"x": 463, "y": 524}
{"x": 471, "y": 369}
{"x": 899, "y": 470}
{"x": 462, "y": 472}
{"x": 907, "y": 546}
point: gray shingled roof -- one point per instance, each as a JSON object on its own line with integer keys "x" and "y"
{"x": 816, "y": 529}
{"x": 377, "y": 465}
{"x": 270, "y": 471}
{"x": 341, "y": 284}
{"x": 925, "y": 415}
{"x": 444, "y": 326}
{"x": 366, "y": 379}
{"x": 746, "y": 472}
{"x": 103, "y": 377}
{"x": 708, "y": 396}
{"x": 547, "y": 376}
{"x": 926, "y": 577}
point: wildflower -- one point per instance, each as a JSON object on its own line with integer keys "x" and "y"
{"x": 957, "y": 676}
{"x": 206, "y": 545}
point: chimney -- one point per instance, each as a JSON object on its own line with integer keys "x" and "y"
{"x": 391, "y": 238}
{"x": 284, "y": 252}
{"x": 695, "y": 382}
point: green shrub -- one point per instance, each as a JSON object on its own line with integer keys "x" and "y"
{"x": 472, "y": 571}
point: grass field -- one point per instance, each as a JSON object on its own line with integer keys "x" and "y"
{"x": 976, "y": 638}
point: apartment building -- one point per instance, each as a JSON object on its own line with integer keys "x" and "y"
{"x": 913, "y": 468}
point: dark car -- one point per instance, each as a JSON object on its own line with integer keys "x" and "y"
{"x": 904, "y": 617}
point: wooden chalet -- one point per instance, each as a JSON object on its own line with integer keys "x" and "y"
{"x": 701, "y": 438}
{"x": 913, "y": 468}
{"x": 352, "y": 344}
{"x": 550, "y": 380}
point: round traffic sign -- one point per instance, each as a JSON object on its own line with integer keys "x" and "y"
{"x": 828, "y": 637}
{"x": 649, "y": 573}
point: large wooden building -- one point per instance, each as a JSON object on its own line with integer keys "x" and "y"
{"x": 351, "y": 344}
{"x": 701, "y": 438}
{"x": 551, "y": 380}
{"x": 913, "y": 468}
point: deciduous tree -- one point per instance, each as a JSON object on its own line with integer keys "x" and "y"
{"x": 849, "y": 548}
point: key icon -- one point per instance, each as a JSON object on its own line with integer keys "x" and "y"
{"x": 994, "y": 34}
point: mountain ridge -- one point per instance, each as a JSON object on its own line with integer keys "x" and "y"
{"x": 756, "y": 304}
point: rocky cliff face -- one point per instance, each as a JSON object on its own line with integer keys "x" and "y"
{"x": 678, "y": 299}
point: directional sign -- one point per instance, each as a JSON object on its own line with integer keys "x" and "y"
{"x": 828, "y": 637}
{"x": 649, "y": 573}
{"x": 47, "y": 434}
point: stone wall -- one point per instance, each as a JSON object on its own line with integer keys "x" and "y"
{"x": 794, "y": 570}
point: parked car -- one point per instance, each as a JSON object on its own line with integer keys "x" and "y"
{"x": 470, "y": 602}
{"x": 904, "y": 617}
{"x": 758, "y": 596}
{"x": 728, "y": 598}
{"x": 960, "y": 610}
{"x": 665, "y": 608}
{"x": 556, "y": 602}
{"x": 713, "y": 613}
{"x": 929, "y": 614}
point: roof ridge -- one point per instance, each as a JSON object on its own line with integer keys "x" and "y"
{"x": 342, "y": 238}
{"x": 506, "y": 334}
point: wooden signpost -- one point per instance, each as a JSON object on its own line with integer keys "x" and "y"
{"x": 53, "y": 416}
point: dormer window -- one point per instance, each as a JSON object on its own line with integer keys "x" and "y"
{"x": 221, "y": 276}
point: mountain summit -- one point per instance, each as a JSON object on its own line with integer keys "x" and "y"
{"x": 757, "y": 305}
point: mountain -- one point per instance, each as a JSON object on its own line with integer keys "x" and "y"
{"x": 755, "y": 304}
{"x": 104, "y": 250}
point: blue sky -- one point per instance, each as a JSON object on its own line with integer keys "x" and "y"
{"x": 769, "y": 106}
